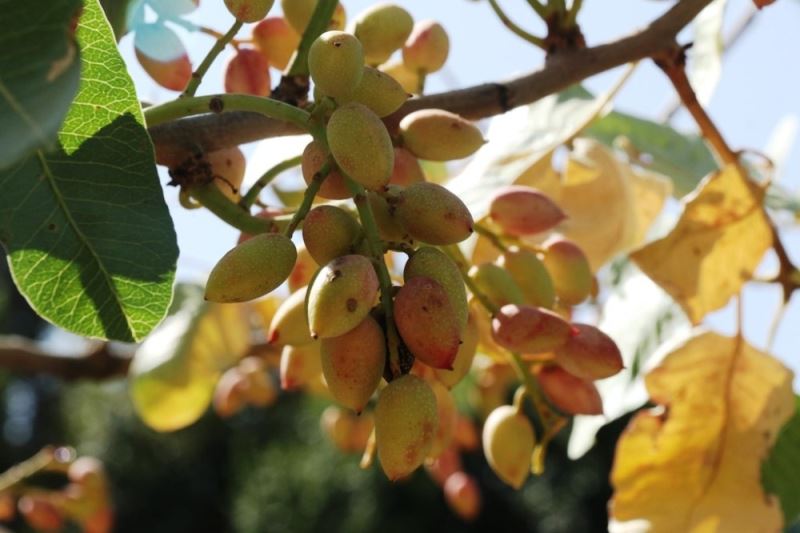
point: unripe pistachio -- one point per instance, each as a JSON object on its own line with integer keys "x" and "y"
{"x": 334, "y": 187}
{"x": 433, "y": 214}
{"x": 406, "y": 170}
{"x": 589, "y": 354}
{"x": 228, "y": 164}
{"x": 435, "y": 264}
{"x": 463, "y": 496}
{"x": 569, "y": 394}
{"x": 382, "y": 29}
{"x": 230, "y": 393}
{"x": 405, "y": 422}
{"x": 508, "y": 442}
{"x": 446, "y": 464}
{"x": 260, "y": 390}
{"x": 466, "y": 435}
{"x": 438, "y": 135}
{"x": 353, "y": 363}
{"x": 341, "y": 296}
{"x": 497, "y": 284}
{"x": 381, "y": 93}
{"x": 389, "y": 227}
{"x": 304, "y": 269}
{"x": 289, "y": 326}
{"x": 298, "y": 14}
{"x": 569, "y": 268}
{"x": 348, "y": 432}
{"x": 530, "y": 274}
{"x": 336, "y": 63}
{"x": 330, "y": 232}
{"x": 446, "y": 412}
{"x": 276, "y": 40}
{"x": 407, "y": 78}
{"x": 427, "y": 322}
{"x": 530, "y": 330}
{"x": 40, "y": 512}
{"x": 521, "y": 210}
{"x": 163, "y": 56}
{"x": 249, "y": 10}
{"x": 337, "y": 424}
{"x": 247, "y": 73}
{"x": 300, "y": 365}
{"x": 466, "y": 354}
{"x": 251, "y": 269}
{"x": 361, "y": 145}
{"x": 427, "y": 47}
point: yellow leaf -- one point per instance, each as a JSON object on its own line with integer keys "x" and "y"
{"x": 174, "y": 372}
{"x": 714, "y": 248}
{"x": 650, "y": 191}
{"x": 695, "y": 467}
{"x": 609, "y": 205}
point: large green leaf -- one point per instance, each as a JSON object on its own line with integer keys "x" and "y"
{"x": 39, "y": 74}
{"x": 683, "y": 157}
{"x": 780, "y": 470}
{"x": 91, "y": 244}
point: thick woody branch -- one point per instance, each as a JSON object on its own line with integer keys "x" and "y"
{"x": 215, "y": 131}
{"x": 20, "y": 356}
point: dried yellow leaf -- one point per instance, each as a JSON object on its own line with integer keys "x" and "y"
{"x": 609, "y": 205}
{"x": 697, "y": 467}
{"x": 714, "y": 248}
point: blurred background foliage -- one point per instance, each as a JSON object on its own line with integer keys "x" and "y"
{"x": 269, "y": 470}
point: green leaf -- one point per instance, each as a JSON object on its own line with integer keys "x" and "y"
{"x": 91, "y": 244}
{"x": 39, "y": 74}
{"x": 780, "y": 471}
{"x": 683, "y": 157}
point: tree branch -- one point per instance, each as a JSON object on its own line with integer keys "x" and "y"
{"x": 215, "y": 131}
{"x": 21, "y": 356}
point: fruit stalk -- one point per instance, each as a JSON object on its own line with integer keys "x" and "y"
{"x": 250, "y": 198}
{"x": 480, "y": 229}
{"x": 308, "y": 198}
{"x": 216, "y": 202}
{"x": 217, "y": 103}
{"x": 197, "y": 75}
{"x": 316, "y": 26}
{"x": 375, "y": 246}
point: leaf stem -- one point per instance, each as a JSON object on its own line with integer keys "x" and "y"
{"x": 212, "y": 198}
{"x": 480, "y": 229}
{"x": 375, "y": 246}
{"x": 250, "y": 198}
{"x": 218, "y": 103}
{"x": 197, "y": 75}
{"x": 514, "y": 28}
